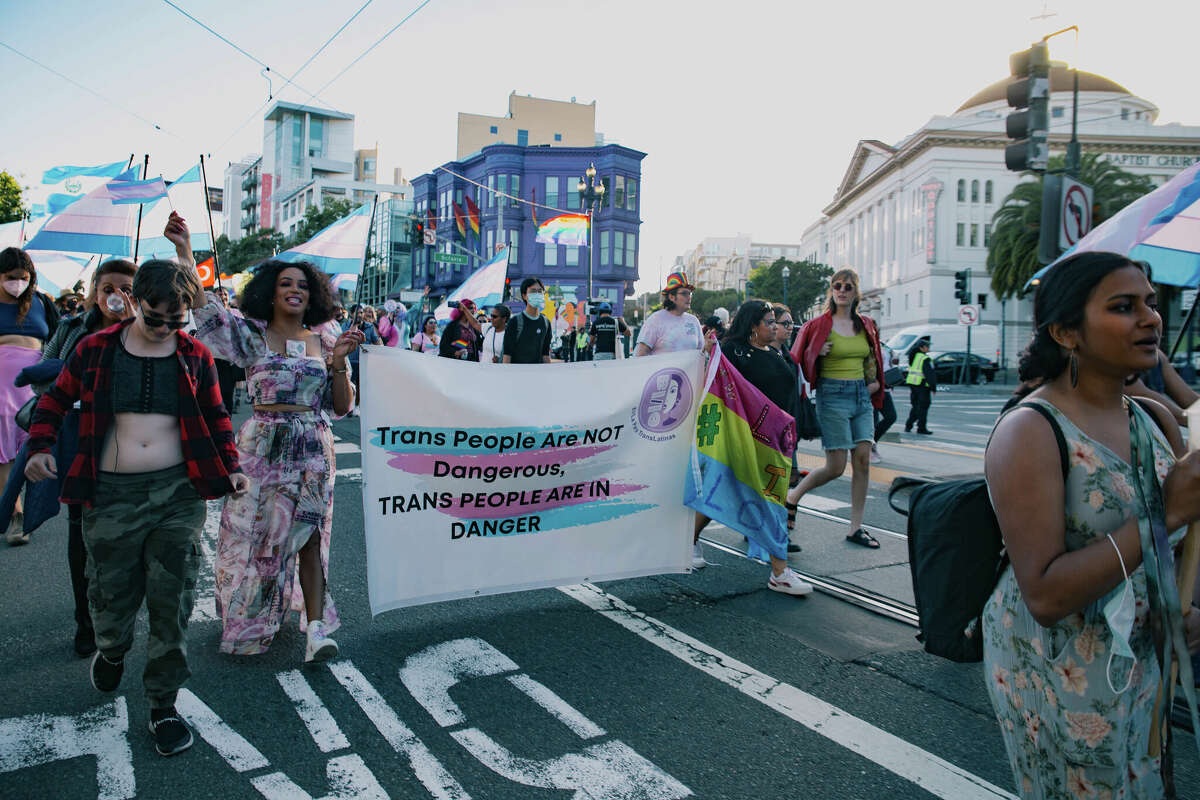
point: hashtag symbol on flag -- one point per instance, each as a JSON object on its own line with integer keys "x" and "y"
{"x": 706, "y": 425}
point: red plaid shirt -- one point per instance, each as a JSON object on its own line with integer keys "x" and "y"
{"x": 204, "y": 427}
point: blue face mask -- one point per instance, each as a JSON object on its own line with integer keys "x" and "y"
{"x": 536, "y": 299}
{"x": 1119, "y": 612}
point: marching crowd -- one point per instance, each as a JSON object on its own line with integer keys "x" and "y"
{"x": 108, "y": 406}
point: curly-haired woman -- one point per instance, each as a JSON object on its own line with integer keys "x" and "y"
{"x": 296, "y": 369}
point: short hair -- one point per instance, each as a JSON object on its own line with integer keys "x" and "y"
{"x": 530, "y": 281}
{"x": 160, "y": 281}
{"x": 504, "y": 311}
{"x": 258, "y": 295}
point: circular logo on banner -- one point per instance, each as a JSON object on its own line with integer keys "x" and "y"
{"x": 666, "y": 400}
{"x": 205, "y": 270}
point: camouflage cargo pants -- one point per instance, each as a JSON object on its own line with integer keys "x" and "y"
{"x": 142, "y": 540}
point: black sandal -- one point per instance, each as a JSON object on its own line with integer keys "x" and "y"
{"x": 791, "y": 509}
{"x": 863, "y": 538}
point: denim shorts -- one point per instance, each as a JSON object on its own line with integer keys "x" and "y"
{"x": 845, "y": 414}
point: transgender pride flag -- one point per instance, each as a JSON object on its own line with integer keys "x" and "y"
{"x": 93, "y": 224}
{"x": 742, "y": 459}
{"x": 338, "y": 248}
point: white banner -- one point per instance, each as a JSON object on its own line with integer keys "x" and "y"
{"x": 522, "y": 476}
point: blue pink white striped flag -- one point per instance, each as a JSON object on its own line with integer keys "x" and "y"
{"x": 125, "y": 192}
{"x": 338, "y": 248}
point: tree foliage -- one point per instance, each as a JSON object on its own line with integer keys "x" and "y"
{"x": 1013, "y": 253}
{"x": 11, "y": 209}
{"x": 247, "y": 251}
{"x": 317, "y": 219}
{"x": 807, "y": 283}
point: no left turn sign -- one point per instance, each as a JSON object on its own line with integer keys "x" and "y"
{"x": 968, "y": 315}
{"x": 1074, "y": 213}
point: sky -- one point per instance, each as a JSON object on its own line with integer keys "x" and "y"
{"x": 748, "y": 111}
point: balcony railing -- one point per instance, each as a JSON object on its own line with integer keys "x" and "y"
{"x": 249, "y": 181}
{"x": 249, "y": 201}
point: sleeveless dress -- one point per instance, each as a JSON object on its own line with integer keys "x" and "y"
{"x": 288, "y": 457}
{"x": 1068, "y": 735}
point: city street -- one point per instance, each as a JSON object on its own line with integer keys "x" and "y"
{"x": 704, "y": 685}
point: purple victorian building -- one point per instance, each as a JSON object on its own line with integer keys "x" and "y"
{"x": 548, "y": 176}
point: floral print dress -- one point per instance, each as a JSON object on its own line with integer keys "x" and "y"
{"x": 1068, "y": 734}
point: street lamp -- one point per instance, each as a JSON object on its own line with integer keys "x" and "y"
{"x": 591, "y": 195}
{"x": 786, "y": 273}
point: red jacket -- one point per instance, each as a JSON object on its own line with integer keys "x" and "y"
{"x": 806, "y": 351}
{"x": 205, "y": 431}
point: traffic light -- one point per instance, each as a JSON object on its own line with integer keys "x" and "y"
{"x": 962, "y": 290}
{"x": 982, "y": 302}
{"x": 1029, "y": 91}
{"x": 416, "y": 232}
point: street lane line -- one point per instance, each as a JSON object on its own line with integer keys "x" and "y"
{"x": 320, "y": 723}
{"x": 933, "y": 774}
{"x": 204, "y": 608}
{"x": 440, "y": 783}
{"x": 974, "y": 452}
{"x": 237, "y": 752}
{"x": 879, "y": 475}
{"x": 565, "y": 713}
{"x": 818, "y": 503}
{"x": 346, "y": 447}
{"x": 350, "y": 473}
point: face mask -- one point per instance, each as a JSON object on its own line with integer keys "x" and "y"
{"x": 537, "y": 300}
{"x": 1118, "y": 611}
{"x": 15, "y": 288}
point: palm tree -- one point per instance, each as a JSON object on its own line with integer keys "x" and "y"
{"x": 1013, "y": 253}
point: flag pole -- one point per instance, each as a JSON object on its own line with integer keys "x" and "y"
{"x": 362, "y": 273}
{"x": 212, "y": 234}
{"x": 137, "y": 236}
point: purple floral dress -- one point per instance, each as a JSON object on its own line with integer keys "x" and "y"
{"x": 288, "y": 457}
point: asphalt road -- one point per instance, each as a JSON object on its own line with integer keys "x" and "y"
{"x": 704, "y": 685}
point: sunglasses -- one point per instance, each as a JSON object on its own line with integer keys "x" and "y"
{"x": 844, "y": 287}
{"x": 158, "y": 322}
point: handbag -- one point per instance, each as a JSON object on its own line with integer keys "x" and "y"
{"x": 24, "y": 416}
{"x": 808, "y": 427}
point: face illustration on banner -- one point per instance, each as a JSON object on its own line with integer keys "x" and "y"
{"x": 666, "y": 400}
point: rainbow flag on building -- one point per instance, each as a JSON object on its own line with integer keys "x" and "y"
{"x": 473, "y": 215}
{"x": 568, "y": 229}
{"x": 742, "y": 459}
{"x": 459, "y": 218}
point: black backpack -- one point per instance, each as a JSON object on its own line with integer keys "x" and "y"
{"x": 956, "y": 554}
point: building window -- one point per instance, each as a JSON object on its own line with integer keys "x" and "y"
{"x": 974, "y": 191}
{"x": 552, "y": 191}
{"x": 550, "y": 256}
{"x": 1124, "y": 113}
{"x": 558, "y": 137}
{"x": 619, "y": 191}
{"x": 491, "y": 190}
{"x": 962, "y": 191}
{"x": 987, "y": 192}
{"x": 631, "y": 194}
{"x": 297, "y": 140}
{"x": 491, "y": 243}
{"x": 906, "y": 301}
{"x": 605, "y": 244}
{"x": 572, "y": 194}
{"x": 961, "y": 237}
{"x": 631, "y": 250}
{"x": 572, "y": 257}
{"x": 494, "y": 129}
{"x": 458, "y": 196}
{"x": 974, "y": 235}
{"x": 1057, "y": 112}
{"x": 619, "y": 249}
{"x": 514, "y": 244}
{"x": 514, "y": 188}
{"x": 920, "y": 298}
{"x": 522, "y": 138}
{"x": 889, "y": 307}
{"x": 606, "y": 201}
{"x": 316, "y": 138}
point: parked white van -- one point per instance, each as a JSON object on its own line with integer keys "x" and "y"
{"x": 985, "y": 340}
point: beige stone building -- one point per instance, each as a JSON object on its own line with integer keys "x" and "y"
{"x": 530, "y": 121}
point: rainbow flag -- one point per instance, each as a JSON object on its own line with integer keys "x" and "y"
{"x": 458, "y": 219}
{"x": 473, "y": 215}
{"x": 568, "y": 229}
{"x": 742, "y": 459}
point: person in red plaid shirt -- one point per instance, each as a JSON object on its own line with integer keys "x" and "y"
{"x": 155, "y": 441}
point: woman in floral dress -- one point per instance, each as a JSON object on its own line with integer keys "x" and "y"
{"x": 1075, "y": 710}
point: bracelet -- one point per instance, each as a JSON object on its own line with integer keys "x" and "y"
{"x": 337, "y": 371}
{"x": 1120, "y": 557}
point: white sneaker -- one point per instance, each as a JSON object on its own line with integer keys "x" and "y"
{"x": 698, "y": 561}
{"x": 788, "y": 582}
{"x": 320, "y": 647}
{"x": 875, "y": 457}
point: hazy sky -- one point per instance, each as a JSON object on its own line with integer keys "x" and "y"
{"x": 749, "y": 111}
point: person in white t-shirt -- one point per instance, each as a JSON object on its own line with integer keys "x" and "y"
{"x": 672, "y": 328}
{"x": 492, "y": 351}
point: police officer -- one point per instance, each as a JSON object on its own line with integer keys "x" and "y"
{"x": 603, "y": 338}
{"x": 922, "y": 383}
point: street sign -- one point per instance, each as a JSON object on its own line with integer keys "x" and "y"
{"x": 968, "y": 315}
{"x": 449, "y": 258}
{"x": 428, "y": 236}
{"x": 1074, "y": 213}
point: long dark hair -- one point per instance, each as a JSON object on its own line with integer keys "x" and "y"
{"x": 11, "y": 260}
{"x": 1061, "y": 299}
{"x": 749, "y": 314}
{"x": 259, "y": 293}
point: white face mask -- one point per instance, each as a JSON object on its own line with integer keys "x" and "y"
{"x": 1119, "y": 612}
{"x": 15, "y": 288}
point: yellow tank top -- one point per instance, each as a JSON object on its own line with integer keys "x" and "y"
{"x": 845, "y": 359}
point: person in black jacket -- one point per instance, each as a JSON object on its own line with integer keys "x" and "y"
{"x": 462, "y": 336}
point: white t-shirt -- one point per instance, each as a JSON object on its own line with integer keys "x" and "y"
{"x": 665, "y": 332}
{"x": 493, "y": 346}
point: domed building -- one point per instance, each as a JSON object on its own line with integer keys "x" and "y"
{"x": 909, "y": 215}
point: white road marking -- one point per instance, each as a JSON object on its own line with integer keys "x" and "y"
{"x": 237, "y": 752}
{"x": 819, "y": 503}
{"x": 934, "y": 774}
{"x": 101, "y": 732}
{"x": 431, "y": 773}
{"x": 346, "y": 447}
{"x": 320, "y": 723}
{"x": 560, "y": 709}
{"x": 429, "y": 674}
{"x": 347, "y": 776}
{"x": 204, "y": 609}
{"x": 350, "y": 473}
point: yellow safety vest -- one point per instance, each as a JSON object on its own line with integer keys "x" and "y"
{"x": 916, "y": 370}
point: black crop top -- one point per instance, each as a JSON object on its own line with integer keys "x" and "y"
{"x": 145, "y": 385}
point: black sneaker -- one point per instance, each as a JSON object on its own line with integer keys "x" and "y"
{"x": 85, "y": 641}
{"x": 171, "y": 734}
{"x": 925, "y": 432}
{"x": 793, "y": 547}
{"x": 106, "y": 676}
